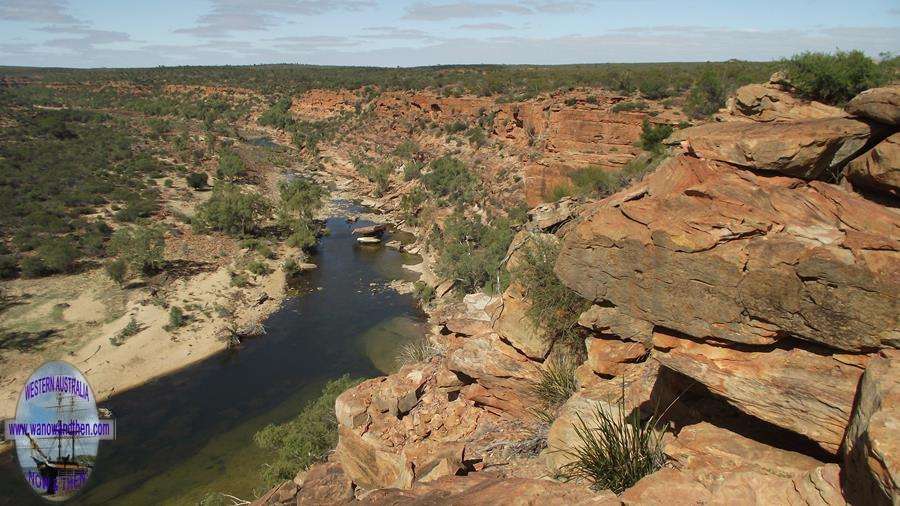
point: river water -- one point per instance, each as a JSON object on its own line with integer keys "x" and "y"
{"x": 190, "y": 432}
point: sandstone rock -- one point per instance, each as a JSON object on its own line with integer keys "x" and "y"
{"x": 468, "y": 317}
{"x": 610, "y": 320}
{"x": 350, "y": 407}
{"x": 368, "y": 240}
{"x": 708, "y": 452}
{"x": 485, "y": 489}
{"x": 503, "y": 376}
{"x": 367, "y": 465}
{"x": 516, "y": 326}
{"x": 443, "y": 288}
{"x": 713, "y": 251}
{"x": 400, "y": 392}
{"x": 879, "y": 104}
{"x": 807, "y": 393}
{"x": 806, "y": 149}
{"x": 879, "y": 168}
{"x": 325, "y": 484}
{"x": 872, "y": 442}
{"x": 665, "y": 487}
{"x": 767, "y": 102}
{"x": 550, "y": 215}
{"x": 607, "y": 356}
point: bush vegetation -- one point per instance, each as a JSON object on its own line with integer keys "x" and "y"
{"x": 554, "y": 387}
{"x": 231, "y": 166}
{"x": 615, "y": 449}
{"x": 141, "y": 247}
{"x": 197, "y": 180}
{"x": 450, "y": 178}
{"x": 836, "y": 78}
{"x": 307, "y": 439}
{"x": 231, "y": 211}
{"x": 299, "y": 200}
{"x": 472, "y": 252}
{"x": 555, "y": 308}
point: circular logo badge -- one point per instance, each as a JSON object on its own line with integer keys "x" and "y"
{"x": 57, "y": 431}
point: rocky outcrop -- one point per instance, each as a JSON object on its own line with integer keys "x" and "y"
{"x": 872, "y": 441}
{"x": 878, "y": 104}
{"x": 806, "y": 149}
{"x": 772, "y": 103}
{"x": 879, "y": 168}
{"x": 711, "y": 251}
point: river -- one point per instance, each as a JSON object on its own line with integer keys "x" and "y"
{"x": 190, "y": 432}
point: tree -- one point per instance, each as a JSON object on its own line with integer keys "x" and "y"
{"x": 707, "y": 96}
{"x": 141, "y": 247}
{"x": 58, "y": 254}
{"x": 197, "y": 180}
{"x": 117, "y": 270}
{"x": 231, "y": 211}
{"x": 231, "y": 166}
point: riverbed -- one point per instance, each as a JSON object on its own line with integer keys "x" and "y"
{"x": 190, "y": 432}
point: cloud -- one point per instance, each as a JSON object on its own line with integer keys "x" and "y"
{"x": 38, "y": 11}
{"x": 313, "y": 42}
{"x": 560, "y": 7}
{"x": 440, "y": 12}
{"x": 86, "y": 38}
{"x": 230, "y": 16}
{"x": 486, "y": 26}
{"x": 395, "y": 33}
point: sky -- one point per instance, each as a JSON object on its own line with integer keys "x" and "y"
{"x": 134, "y": 33}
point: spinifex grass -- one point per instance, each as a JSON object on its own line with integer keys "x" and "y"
{"x": 555, "y": 386}
{"x": 617, "y": 450}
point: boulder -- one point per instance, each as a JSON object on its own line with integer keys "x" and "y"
{"x": 515, "y": 325}
{"x": 550, "y": 215}
{"x": 350, "y": 408}
{"x": 709, "y": 452}
{"x": 400, "y": 392}
{"x": 607, "y": 356}
{"x": 879, "y": 104}
{"x": 807, "y": 149}
{"x": 810, "y": 393}
{"x": 502, "y": 375}
{"x": 484, "y": 489}
{"x": 369, "y": 466}
{"x": 879, "y": 168}
{"x": 872, "y": 442}
{"x": 368, "y": 240}
{"x": 770, "y": 103}
{"x": 665, "y": 487}
{"x": 371, "y": 230}
{"x": 717, "y": 252}
{"x": 325, "y": 484}
{"x": 748, "y": 488}
{"x": 609, "y": 320}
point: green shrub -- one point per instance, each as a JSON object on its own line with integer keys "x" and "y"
{"x": 554, "y": 308}
{"x": 117, "y": 270}
{"x": 176, "y": 318}
{"x": 554, "y": 387}
{"x": 423, "y": 292}
{"x": 561, "y": 191}
{"x": 638, "y": 105}
{"x": 142, "y": 247}
{"x": 417, "y": 351}
{"x": 615, "y": 450}
{"x": 231, "y": 166}
{"x": 571, "y": 101}
{"x": 58, "y": 254}
{"x": 412, "y": 169}
{"x": 834, "y": 78}
{"x": 455, "y": 127}
{"x": 303, "y": 237}
{"x": 231, "y": 211}
{"x": 197, "y": 180}
{"x": 655, "y": 87}
{"x": 34, "y": 267}
{"x": 653, "y": 135}
{"x": 258, "y": 268}
{"x": 450, "y": 178}
{"x": 9, "y": 267}
{"x": 136, "y": 208}
{"x": 290, "y": 267}
{"x": 130, "y": 329}
{"x": 476, "y": 136}
{"x": 410, "y": 204}
{"x": 307, "y": 439}
{"x": 472, "y": 253}
{"x": 707, "y": 96}
{"x": 376, "y": 173}
{"x": 406, "y": 149}
{"x": 278, "y": 115}
{"x": 239, "y": 280}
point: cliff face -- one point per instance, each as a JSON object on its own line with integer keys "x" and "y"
{"x": 737, "y": 284}
{"x": 550, "y": 135}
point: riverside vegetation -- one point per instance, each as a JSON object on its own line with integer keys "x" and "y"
{"x": 459, "y": 163}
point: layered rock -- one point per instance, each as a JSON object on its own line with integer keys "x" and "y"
{"x": 711, "y": 251}
{"x": 807, "y": 149}
{"x": 770, "y": 102}
{"x": 872, "y": 441}
{"x": 879, "y": 168}
{"x": 878, "y": 104}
